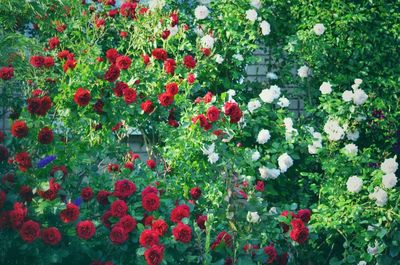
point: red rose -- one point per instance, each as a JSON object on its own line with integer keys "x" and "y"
{"x": 37, "y": 61}
{"x": 232, "y": 110}
{"x": 304, "y": 215}
{"x": 69, "y": 64}
{"x": 112, "y": 55}
{"x": 146, "y": 59}
{"x": 123, "y": 62}
{"x": 260, "y": 185}
{"x": 147, "y": 107}
{"x": 3, "y": 196}
{"x": 6, "y": 73}
{"x": 118, "y": 235}
{"x": 85, "y": 229}
{"x": 82, "y": 97}
{"x": 174, "y": 19}
{"x": 282, "y": 259}
{"x": 23, "y": 160}
{"x": 102, "y": 197}
{"x": 227, "y": 238}
{"x": 299, "y": 235}
{"x": 203, "y": 121}
{"x": 297, "y": 224}
{"x": 169, "y": 66}
{"x": 48, "y": 61}
{"x": 123, "y": 34}
{"x": 17, "y": 215}
{"x": 105, "y": 219}
{"x": 213, "y": 114}
{"x": 154, "y": 255}
{"x": 159, "y": 54}
{"x": 160, "y": 226}
{"x": 182, "y": 233}
{"x": 201, "y": 221}
{"x": 51, "y": 236}
{"x": 191, "y": 78}
{"x": 45, "y": 136}
{"x": 148, "y": 238}
{"x": 25, "y": 192}
{"x": 129, "y": 95}
{"x": 180, "y": 212}
{"x": 149, "y": 190}
{"x": 119, "y": 88}
{"x": 124, "y": 188}
{"x": 4, "y": 154}
{"x": 165, "y": 34}
{"x": 147, "y": 220}
{"x": 206, "y": 51}
{"x": 39, "y": 106}
{"x": 151, "y": 163}
{"x": 119, "y": 208}
{"x": 1, "y": 136}
{"x": 271, "y": 252}
{"x": 165, "y": 99}
{"x": 87, "y": 194}
{"x": 61, "y": 27}
{"x": 112, "y": 73}
{"x": 128, "y": 223}
{"x": 63, "y": 169}
{"x": 53, "y": 43}
{"x": 19, "y": 129}
{"x": 63, "y": 54}
{"x": 29, "y": 231}
{"x": 69, "y": 214}
{"x": 130, "y": 166}
{"x": 195, "y": 193}
{"x": 100, "y": 22}
{"x": 151, "y": 202}
{"x": 113, "y": 168}
{"x": 113, "y": 12}
{"x": 208, "y": 97}
{"x": 172, "y": 88}
{"x": 189, "y": 62}
{"x": 128, "y": 9}
{"x": 98, "y": 106}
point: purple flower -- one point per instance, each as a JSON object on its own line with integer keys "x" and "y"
{"x": 45, "y": 161}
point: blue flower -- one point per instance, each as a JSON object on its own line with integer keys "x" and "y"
{"x": 45, "y": 161}
{"x": 78, "y": 201}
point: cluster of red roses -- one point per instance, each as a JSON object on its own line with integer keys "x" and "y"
{"x": 231, "y": 109}
{"x": 299, "y": 232}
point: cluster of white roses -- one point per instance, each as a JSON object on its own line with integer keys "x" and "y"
{"x": 389, "y": 180}
{"x": 333, "y": 129}
{"x": 268, "y": 95}
{"x": 284, "y": 163}
{"x": 252, "y": 16}
{"x": 316, "y": 143}
{"x": 358, "y": 96}
{"x": 209, "y": 151}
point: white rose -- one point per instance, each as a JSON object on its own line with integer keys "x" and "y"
{"x": 358, "y": 81}
{"x": 263, "y": 136}
{"x": 269, "y": 173}
{"x": 373, "y": 250}
{"x": 389, "y": 180}
{"x": 213, "y": 158}
{"x": 272, "y": 76}
{"x": 173, "y": 30}
{"x": 362, "y": 263}
{"x": 303, "y": 71}
{"x": 251, "y": 15}
{"x": 288, "y": 122}
{"x": 276, "y": 91}
{"x": 219, "y": 59}
{"x": 333, "y": 129}
{"x": 325, "y": 88}
{"x": 312, "y": 149}
{"x": 380, "y": 196}
{"x": 354, "y": 184}
{"x": 253, "y": 105}
{"x": 283, "y": 102}
{"x": 256, "y": 3}
{"x": 154, "y": 4}
{"x": 351, "y": 149}
{"x": 389, "y": 165}
{"x": 267, "y": 95}
{"x": 353, "y": 136}
{"x": 255, "y": 156}
{"x": 201, "y": 12}
{"x": 238, "y": 57}
{"x": 347, "y": 96}
{"x": 253, "y": 217}
{"x": 359, "y": 96}
{"x": 265, "y": 28}
{"x": 319, "y": 29}
{"x": 285, "y": 162}
{"x": 207, "y": 42}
